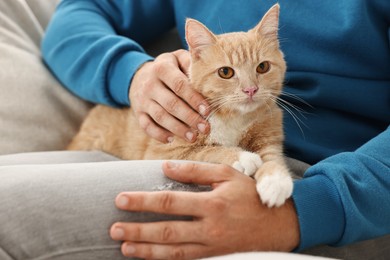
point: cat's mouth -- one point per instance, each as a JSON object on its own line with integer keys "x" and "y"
{"x": 249, "y": 104}
{"x": 250, "y": 99}
{"x": 238, "y": 102}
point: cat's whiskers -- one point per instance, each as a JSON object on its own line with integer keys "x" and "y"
{"x": 268, "y": 106}
{"x": 223, "y": 102}
{"x": 217, "y": 105}
{"x": 214, "y": 106}
{"x": 288, "y": 107}
{"x": 292, "y": 96}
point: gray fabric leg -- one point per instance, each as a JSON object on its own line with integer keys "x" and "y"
{"x": 375, "y": 249}
{"x": 55, "y": 157}
{"x": 297, "y": 168}
{"x": 64, "y": 211}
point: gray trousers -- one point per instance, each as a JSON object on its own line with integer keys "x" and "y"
{"x": 60, "y": 205}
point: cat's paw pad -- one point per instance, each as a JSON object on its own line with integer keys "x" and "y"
{"x": 274, "y": 189}
{"x": 248, "y": 163}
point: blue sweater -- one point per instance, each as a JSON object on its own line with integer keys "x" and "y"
{"x": 338, "y": 59}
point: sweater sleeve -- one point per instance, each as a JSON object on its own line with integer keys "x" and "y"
{"x": 346, "y": 198}
{"x": 93, "y": 47}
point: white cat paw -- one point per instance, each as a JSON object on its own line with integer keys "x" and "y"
{"x": 248, "y": 163}
{"x": 274, "y": 189}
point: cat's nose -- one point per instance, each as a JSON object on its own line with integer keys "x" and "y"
{"x": 250, "y": 91}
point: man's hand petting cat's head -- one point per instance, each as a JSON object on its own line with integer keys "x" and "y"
{"x": 164, "y": 102}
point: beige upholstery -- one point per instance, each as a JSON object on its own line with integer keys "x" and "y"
{"x": 36, "y": 112}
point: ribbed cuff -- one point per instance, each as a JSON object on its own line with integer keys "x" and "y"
{"x": 121, "y": 73}
{"x": 320, "y": 212}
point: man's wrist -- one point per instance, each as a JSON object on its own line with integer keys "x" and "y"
{"x": 289, "y": 227}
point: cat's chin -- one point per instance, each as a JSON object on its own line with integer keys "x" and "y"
{"x": 248, "y": 107}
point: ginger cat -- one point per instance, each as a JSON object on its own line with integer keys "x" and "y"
{"x": 241, "y": 74}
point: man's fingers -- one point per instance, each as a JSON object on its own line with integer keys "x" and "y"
{"x": 184, "y": 60}
{"x": 179, "y": 83}
{"x": 167, "y": 232}
{"x": 202, "y": 174}
{"x": 153, "y": 130}
{"x": 155, "y": 251}
{"x": 170, "y": 123}
{"x": 166, "y": 202}
{"x": 180, "y": 110}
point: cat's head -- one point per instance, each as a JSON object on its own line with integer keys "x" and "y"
{"x": 240, "y": 71}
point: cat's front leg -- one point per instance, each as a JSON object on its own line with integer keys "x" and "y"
{"x": 274, "y": 183}
{"x": 273, "y": 179}
{"x": 247, "y": 163}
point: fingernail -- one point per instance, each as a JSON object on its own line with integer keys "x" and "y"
{"x": 118, "y": 233}
{"x": 171, "y": 165}
{"x": 189, "y": 136}
{"x": 202, "y": 110}
{"x": 170, "y": 139}
{"x": 201, "y": 128}
{"x": 122, "y": 201}
{"x": 130, "y": 249}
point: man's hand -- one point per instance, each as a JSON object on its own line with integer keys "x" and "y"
{"x": 163, "y": 100}
{"x": 228, "y": 219}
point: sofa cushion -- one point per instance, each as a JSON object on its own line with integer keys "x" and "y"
{"x": 36, "y": 112}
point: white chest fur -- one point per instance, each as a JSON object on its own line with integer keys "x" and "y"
{"x": 228, "y": 132}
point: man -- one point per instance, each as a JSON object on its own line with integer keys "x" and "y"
{"x": 338, "y": 61}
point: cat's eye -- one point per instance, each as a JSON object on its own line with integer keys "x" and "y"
{"x": 226, "y": 72}
{"x": 263, "y": 67}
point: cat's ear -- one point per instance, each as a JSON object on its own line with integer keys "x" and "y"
{"x": 197, "y": 35}
{"x": 269, "y": 24}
